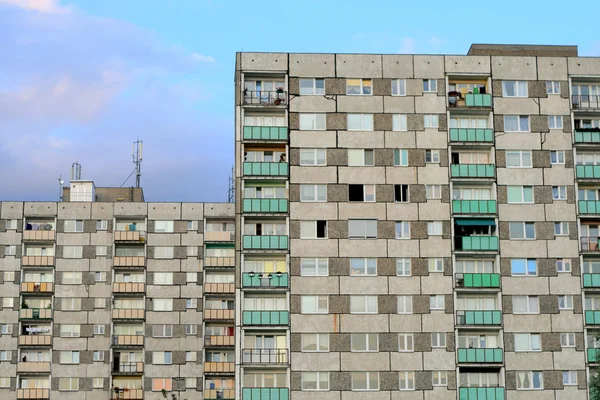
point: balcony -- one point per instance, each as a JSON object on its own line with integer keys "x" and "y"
{"x": 257, "y": 280}
{"x": 129, "y": 368}
{"x": 265, "y": 206}
{"x": 35, "y": 313}
{"x": 35, "y": 340}
{"x": 274, "y": 242}
{"x": 481, "y": 393}
{"x": 129, "y": 261}
{"x": 587, "y": 136}
{"x": 33, "y": 367}
{"x": 265, "y": 393}
{"x": 265, "y": 133}
{"x": 39, "y": 236}
{"x": 218, "y": 341}
{"x": 477, "y": 100}
{"x": 588, "y": 206}
{"x": 219, "y": 367}
{"x": 128, "y": 340}
{"x": 587, "y": 171}
{"x": 121, "y": 313}
{"x": 266, "y": 318}
{"x": 476, "y": 243}
{"x": 477, "y": 281}
{"x": 586, "y": 102}
{"x": 37, "y": 287}
{"x": 129, "y": 287}
{"x": 220, "y": 262}
{"x": 592, "y": 317}
{"x": 38, "y": 261}
{"x": 589, "y": 243}
{"x": 480, "y": 356}
{"x": 266, "y": 169}
{"x": 219, "y": 394}
{"x": 129, "y": 236}
{"x": 472, "y": 135}
{"x": 265, "y": 356}
{"x": 591, "y": 280}
{"x": 472, "y": 170}
{"x": 592, "y": 355}
{"x": 265, "y": 98}
{"x": 127, "y": 394}
{"x": 218, "y": 314}
{"x": 216, "y": 236}
{"x": 219, "y": 288}
{"x": 474, "y": 207}
{"x": 476, "y": 317}
{"x": 33, "y": 394}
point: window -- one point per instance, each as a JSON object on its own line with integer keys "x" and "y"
{"x": 10, "y": 250}
{"x": 436, "y": 302}
{"x": 312, "y": 86}
{"x": 314, "y": 304}
{"x": 436, "y": 264}
{"x": 565, "y": 302}
{"x": 520, "y": 194}
{"x": 401, "y": 193}
{"x": 429, "y": 85}
{"x": 101, "y": 225}
{"x": 163, "y": 226}
{"x": 432, "y": 156}
{"x": 570, "y": 378}
{"x": 561, "y": 228}
{"x": 559, "y": 192}
{"x": 567, "y": 340}
{"x": 191, "y": 329}
{"x": 563, "y": 265}
{"x": 518, "y": 159}
{"x": 312, "y": 157}
{"x": 8, "y": 302}
{"x": 98, "y": 355}
{"x": 313, "y": 229}
{"x": 69, "y": 357}
{"x": 434, "y": 228}
{"x": 99, "y": 329}
{"x": 313, "y": 193}
{"x": 363, "y": 304}
{"x": 162, "y": 304}
{"x": 363, "y": 267}
{"x": 399, "y": 122}
{"x": 433, "y": 192}
{"x": 361, "y": 193}
{"x": 402, "y": 230}
{"x": 358, "y": 87}
{"x": 70, "y": 330}
{"x": 440, "y": 378}
{"x": 430, "y": 121}
{"x": 71, "y": 278}
{"x": 191, "y": 303}
{"x": 99, "y": 302}
{"x": 530, "y": 380}
{"x": 362, "y": 228}
{"x": 523, "y": 267}
{"x": 162, "y": 357}
{"x": 360, "y": 122}
{"x": 365, "y": 380}
{"x": 398, "y": 87}
{"x": 101, "y": 251}
{"x": 526, "y": 305}
{"x": 191, "y": 277}
{"x": 403, "y": 267}
{"x": 158, "y": 384}
{"x": 70, "y": 304}
{"x": 514, "y": 89}
{"x": 364, "y": 342}
{"x": 72, "y": 251}
{"x": 190, "y": 356}
{"x": 438, "y": 339}
{"x": 315, "y": 342}
{"x": 5, "y": 355}
{"x": 521, "y": 230}
{"x": 192, "y": 225}
{"x": 191, "y": 383}
{"x": 97, "y": 383}
{"x": 557, "y": 157}
{"x": 552, "y": 87}
{"x": 314, "y": 267}
{"x": 516, "y": 123}
{"x": 162, "y": 331}
{"x": 406, "y": 342}
{"x": 9, "y": 276}
{"x": 163, "y": 278}
{"x": 315, "y": 380}
{"x": 404, "y": 304}
{"x": 312, "y": 122}
{"x": 66, "y": 384}
{"x": 528, "y": 342}
{"x": 74, "y": 226}
{"x": 163, "y": 252}
{"x": 400, "y": 158}
{"x": 6, "y": 329}
{"x": 100, "y": 276}
{"x": 11, "y": 224}
{"x": 360, "y": 158}
{"x": 407, "y": 380}
{"x": 192, "y": 251}
{"x": 555, "y": 122}
{"x": 4, "y": 382}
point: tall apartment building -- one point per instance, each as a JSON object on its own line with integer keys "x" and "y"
{"x": 114, "y": 299}
{"x": 417, "y": 226}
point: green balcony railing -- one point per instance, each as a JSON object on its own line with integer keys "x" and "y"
{"x": 476, "y": 243}
{"x": 478, "y": 135}
{"x": 265, "y": 393}
{"x": 468, "y": 280}
{"x": 478, "y": 100}
{"x": 266, "y": 318}
{"x": 265, "y": 205}
{"x": 480, "y": 355}
{"x": 592, "y": 355}
{"x": 481, "y": 393}
{"x": 587, "y": 136}
{"x": 472, "y": 170}
{"x": 265, "y": 133}
{"x": 589, "y": 207}
{"x": 587, "y": 171}
{"x": 474, "y": 207}
{"x": 275, "y": 279}
{"x": 592, "y": 317}
{"x": 591, "y": 280}
{"x": 477, "y": 317}
{"x": 266, "y": 169}
{"x": 274, "y": 242}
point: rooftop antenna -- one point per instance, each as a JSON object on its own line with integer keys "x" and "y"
{"x": 231, "y": 191}
{"x": 60, "y": 188}
{"x": 137, "y": 160}
{"x": 76, "y": 171}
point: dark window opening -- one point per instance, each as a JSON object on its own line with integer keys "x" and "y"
{"x": 356, "y": 193}
{"x": 321, "y": 229}
{"x": 401, "y": 193}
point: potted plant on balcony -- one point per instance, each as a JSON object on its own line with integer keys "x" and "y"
{"x": 278, "y": 101}
{"x": 279, "y": 90}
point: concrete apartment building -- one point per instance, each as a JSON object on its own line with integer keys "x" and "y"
{"x": 417, "y": 226}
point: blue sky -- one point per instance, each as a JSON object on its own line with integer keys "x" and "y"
{"x": 81, "y": 80}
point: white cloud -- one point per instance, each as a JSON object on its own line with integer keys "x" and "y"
{"x": 45, "y": 6}
{"x": 408, "y": 46}
{"x": 202, "y": 58}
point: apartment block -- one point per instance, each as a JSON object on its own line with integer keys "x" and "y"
{"x": 417, "y": 226}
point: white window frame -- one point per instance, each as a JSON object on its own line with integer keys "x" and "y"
{"x": 405, "y": 304}
{"x": 191, "y": 356}
{"x": 557, "y": 157}
{"x": 162, "y": 358}
{"x": 433, "y": 192}
{"x": 534, "y": 342}
{"x": 363, "y": 88}
{"x": 407, "y": 380}
{"x": 192, "y": 225}
{"x": 429, "y": 85}
{"x": 101, "y": 251}
{"x": 73, "y": 384}
{"x": 315, "y": 198}
{"x": 97, "y": 383}
{"x": 519, "y": 123}
{"x": 9, "y": 276}
{"x": 164, "y": 226}
{"x": 6, "y": 329}
{"x": 439, "y": 378}
{"x": 531, "y": 380}
{"x": 399, "y": 123}
{"x": 371, "y": 379}
{"x": 100, "y": 302}
{"x": 309, "y": 230}
{"x": 366, "y": 267}
{"x": 354, "y": 340}
{"x": 70, "y": 330}
{"x": 191, "y": 277}
{"x": 313, "y": 157}
{"x": 315, "y": 91}
{"x": 10, "y": 250}
{"x": 166, "y": 252}
{"x": 403, "y": 266}
{"x": 72, "y": 278}
{"x": 356, "y": 153}
{"x": 99, "y": 329}
{"x": 191, "y": 303}
{"x": 398, "y": 87}
{"x": 529, "y": 308}
{"x": 401, "y": 160}
{"x": 162, "y": 304}
{"x": 438, "y": 340}
{"x": 321, "y": 342}
{"x": 6, "y": 355}
{"x": 98, "y": 355}
{"x": 364, "y": 122}
{"x": 563, "y": 265}
{"x": 312, "y": 121}
{"x": 99, "y": 276}
{"x": 8, "y": 302}
{"x": 69, "y": 357}
{"x": 523, "y": 156}
{"x": 561, "y": 228}
{"x": 11, "y": 224}
{"x": 565, "y": 302}
{"x": 364, "y": 303}
{"x": 191, "y": 329}
{"x": 431, "y": 121}
{"x": 434, "y": 228}
{"x": 321, "y": 266}
{"x": 406, "y": 342}
{"x": 367, "y": 230}
{"x": 73, "y": 226}
{"x": 437, "y": 302}
{"x": 555, "y": 122}
{"x": 404, "y": 232}
{"x": 569, "y": 378}
{"x": 72, "y": 252}
{"x": 318, "y": 381}
{"x": 522, "y": 189}
{"x": 434, "y": 156}
{"x": 520, "y": 88}
{"x": 101, "y": 225}
{"x": 435, "y": 264}
{"x": 306, "y": 307}
{"x": 567, "y": 339}
{"x": 552, "y": 87}
{"x": 559, "y": 193}
{"x": 525, "y": 224}
{"x": 163, "y": 278}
